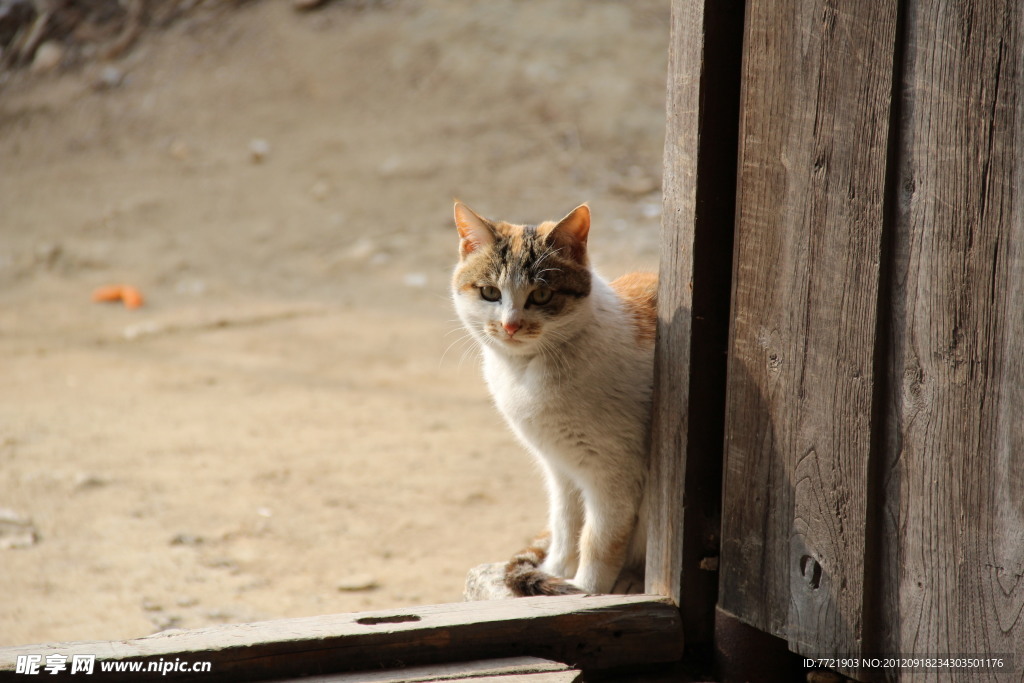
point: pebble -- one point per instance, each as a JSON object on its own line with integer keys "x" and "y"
{"x": 48, "y": 254}
{"x": 145, "y": 329}
{"x": 165, "y": 622}
{"x": 179, "y": 150}
{"x": 48, "y": 56}
{"x": 110, "y": 77}
{"x": 16, "y": 530}
{"x": 192, "y": 287}
{"x": 358, "y": 582}
{"x": 259, "y": 149}
{"x": 85, "y": 481}
{"x": 651, "y": 209}
{"x": 188, "y": 539}
{"x": 636, "y": 183}
{"x": 320, "y": 190}
{"x": 361, "y": 250}
{"x": 415, "y": 280}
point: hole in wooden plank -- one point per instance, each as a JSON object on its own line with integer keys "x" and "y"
{"x": 396, "y": 619}
{"x": 811, "y": 570}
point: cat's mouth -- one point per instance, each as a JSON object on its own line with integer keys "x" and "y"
{"x": 506, "y": 340}
{"x": 513, "y": 341}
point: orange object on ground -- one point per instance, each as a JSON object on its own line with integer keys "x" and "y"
{"x": 129, "y": 296}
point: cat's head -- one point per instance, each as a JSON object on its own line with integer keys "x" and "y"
{"x": 521, "y": 288}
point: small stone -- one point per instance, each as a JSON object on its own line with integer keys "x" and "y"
{"x": 48, "y": 56}
{"x": 418, "y": 280}
{"x": 223, "y": 615}
{"x": 361, "y": 250}
{"x": 358, "y": 582}
{"x": 86, "y": 481}
{"x": 48, "y": 254}
{"x": 16, "y": 530}
{"x": 636, "y": 183}
{"x": 651, "y": 209}
{"x": 110, "y": 77}
{"x": 191, "y": 287}
{"x": 165, "y": 622}
{"x": 259, "y": 149}
{"x": 179, "y": 150}
{"x": 188, "y": 539}
{"x": 225, "y": 564}
{"x": 320, "y": 190}
{"x": 132, "y": 332}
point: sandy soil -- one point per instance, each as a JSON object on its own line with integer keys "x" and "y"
{"x": 292, "y": 424}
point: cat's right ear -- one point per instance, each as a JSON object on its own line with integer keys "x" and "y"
{"x": 475, "y": 230}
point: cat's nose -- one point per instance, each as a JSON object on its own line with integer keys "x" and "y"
{"x": 511, "y": 327}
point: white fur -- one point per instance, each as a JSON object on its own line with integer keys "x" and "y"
{"x": 577, "y": 395}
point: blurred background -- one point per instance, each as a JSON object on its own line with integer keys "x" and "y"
{"x": 293, "y": 423}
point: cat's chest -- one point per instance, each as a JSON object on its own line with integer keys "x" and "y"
{"x": 536, "y": 398}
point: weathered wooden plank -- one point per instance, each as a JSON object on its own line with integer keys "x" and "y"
{"x": 953, "y": 555}
{"x": 598, "y": 632}
{"x": 509, "y": 670}
{"x": 693, "y": 307}
{"x": 814, "y": 133}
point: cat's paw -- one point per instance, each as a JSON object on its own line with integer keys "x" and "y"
{"x": 557, "y": 586}
{"x": 525, "y": 579}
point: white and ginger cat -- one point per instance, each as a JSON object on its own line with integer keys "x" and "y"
{"x": 568, "y": 359}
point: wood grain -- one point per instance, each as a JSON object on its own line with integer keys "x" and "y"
{"x": 814, "y": 138}
{"x": 510, "y": 670}
{"x": 953, "y": 551}
{"x": 594, "y": 632}
{"x": 693, "y": 307}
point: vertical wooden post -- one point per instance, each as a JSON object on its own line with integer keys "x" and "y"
{"x": 693, "y": 307}
{"x": 953, "y": 545}
{"x": 817, "y": 85}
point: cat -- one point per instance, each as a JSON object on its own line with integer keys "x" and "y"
{"x": 568, "y": 359}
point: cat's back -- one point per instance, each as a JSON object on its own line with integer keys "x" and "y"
{"x": 638, "y": 293}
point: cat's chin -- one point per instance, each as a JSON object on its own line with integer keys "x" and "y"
{"x": 513, "y": 346}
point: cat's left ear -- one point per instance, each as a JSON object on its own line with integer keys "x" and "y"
{"x": 573, "y": 230}
{"x": 474, "y": 229}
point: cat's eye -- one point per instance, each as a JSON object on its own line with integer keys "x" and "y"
{"x": 540, "y": 296}
{"x": 490, "y": 293}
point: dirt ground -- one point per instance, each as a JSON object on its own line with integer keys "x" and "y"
{"x": 293, "y": 424}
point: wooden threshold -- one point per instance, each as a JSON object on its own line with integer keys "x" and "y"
{"x": 508, "y": 670}
{"x": 589, "y": 632}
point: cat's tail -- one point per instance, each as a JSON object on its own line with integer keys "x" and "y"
{"x": 524, "y": 578}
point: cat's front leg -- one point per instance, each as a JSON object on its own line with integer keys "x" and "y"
{"x": 565, "y": 520}
{"x": 604, "y": 541}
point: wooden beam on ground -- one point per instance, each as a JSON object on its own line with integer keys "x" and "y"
{"x": 590, "y": 632}
{"x": 508, "y": 670}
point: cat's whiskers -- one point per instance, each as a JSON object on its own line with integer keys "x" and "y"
{"x": 466, "y": 352}
{"x": 550, "y": 347}
{"x": 466, "y": 337}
